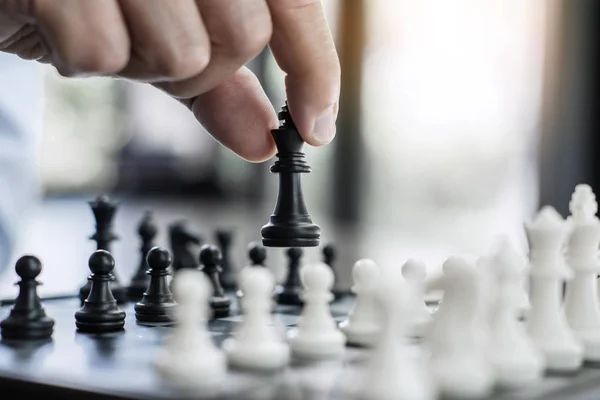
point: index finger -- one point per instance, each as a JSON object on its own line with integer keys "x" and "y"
{"x": 303, "y": 47}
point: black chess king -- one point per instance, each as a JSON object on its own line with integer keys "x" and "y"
{"x": 290, "y": 225}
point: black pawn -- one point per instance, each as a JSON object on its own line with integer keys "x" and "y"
{"x": 329, "y": 256}
{"x": 210, "y": 260}
{"x": 289, "y": 292}
{"x": 257, "y": 255}
{"x": 182, "y": 239}
{"x": 147, "y": 231}
{"x": 156, "y": 306}
{"x": 100, "y": 312}
{"x": 290, "y": 225}
{"x": 104, "y": 210}
{"x": 27, "y": 319}
{"x": 224, "y": 239}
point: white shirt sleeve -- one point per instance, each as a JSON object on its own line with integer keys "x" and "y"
{"x": 20, "y": 127}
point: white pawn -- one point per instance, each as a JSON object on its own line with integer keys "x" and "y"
{"x": 363, "y": 323}
{"x": 546, "y": 322}
{"x": 581, "y": 299}
{"x": 317, "y": 335}
{"x": 190, "y": 359}
{"x": 414, "y": 273}
{"x": 257, "y": 346}
{"x": 514, "y": 357}
{"x": 459, "y": 367}
{"x": 396, "y": 371}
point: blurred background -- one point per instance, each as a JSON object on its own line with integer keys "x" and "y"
{"x": 457, "y": 121}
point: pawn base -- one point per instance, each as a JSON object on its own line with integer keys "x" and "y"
{"x": 154, "y": 313}
{"x": 264, "y": 357}
{"x": 220, "y": 307}
{"x": 17, "y": 328}
{"x": 289, "y": 296}
{"x": 99, "y": 321}
{"x": 206, "y": 374}
{"x": 362, "y": 336}
{"x": 325, "y": 346}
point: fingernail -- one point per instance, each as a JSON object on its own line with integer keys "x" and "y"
{"x": 324, "y": 129}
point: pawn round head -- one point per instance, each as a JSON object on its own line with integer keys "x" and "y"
{"x": 317, "y": 276}
{"x": 458, "y": 268}
{"x": 329, "y": 252}
{"x": 295, "y": 253}
{"x": 414, "y": 270}
{"x": 366, "y": 273}
{"x": 257, "y": 283}
{"x": 257, "y": 253}
{"x": 210, "y": 255}
{"x": 191, "y": 286}
{"x": 28, "y": 267}
{"x": 158, "y": 258}
{"x": 101, "y": 262}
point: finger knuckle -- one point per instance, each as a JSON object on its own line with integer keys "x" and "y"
{"x": 250, "y": 38}
{"x": 182, "y": 61}
{"x": 98, "y": 58}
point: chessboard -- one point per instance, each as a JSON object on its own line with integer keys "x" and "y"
{"x": 120, "y": 365}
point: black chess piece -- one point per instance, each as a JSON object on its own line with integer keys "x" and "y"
{"x": 210, "y": 260}
{"x": 290, "y": 225}
{"x": 157, "y": 304}
{"x": 257, "y": 255}
{"x": 329, "y": 256}
{"x": 182, "y": 239}
{"x": 27, "y": 320}
{"x": 147, "y": 231}
{"x": 104, "y": 210}
{"x": 224, "y": 239}
{"x": 100, "y": 312}
{"x": 289, "y": 292}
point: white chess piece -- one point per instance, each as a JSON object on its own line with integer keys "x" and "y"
{"x": 363, "y": 323}
{"x": 514, "y": 357}
{"x": 257, "y": 345}
{"x": 581, "y": 300}
{"x": 317, "y": 335}
{"x": 419, "y": 315}
{"x": 460, "y": 369}
{"x": 189, "y": 358}
{"x": 395, "y": 370}
{"x": 546, "y": 322}
{"x": 487, "y": 297}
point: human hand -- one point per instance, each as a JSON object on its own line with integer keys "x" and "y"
{"x": 194, "y": 50}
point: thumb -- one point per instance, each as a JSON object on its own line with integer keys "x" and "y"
{"x": 304, "y": 49}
